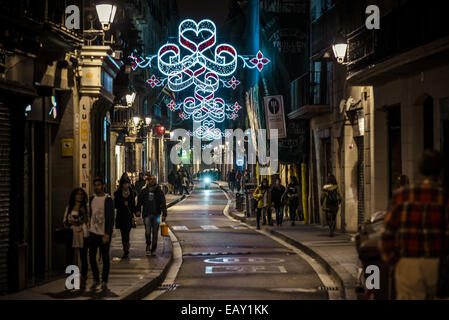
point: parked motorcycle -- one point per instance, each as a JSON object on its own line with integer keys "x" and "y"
{"x": 367, "y": 247}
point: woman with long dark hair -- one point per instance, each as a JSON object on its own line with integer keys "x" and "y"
{"x": 76, "y": 218}
{"x": 125, "y": 203}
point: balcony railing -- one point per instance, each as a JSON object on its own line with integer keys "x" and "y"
{"x": 411, "y": 25}
{"x": 121, "y": 118}
{"x": 308, "y": 90}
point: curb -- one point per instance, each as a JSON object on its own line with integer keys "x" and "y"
{"x": 147, "y": 288}
{"x": 329, "y": 269}
{"x": 144, "y": 290}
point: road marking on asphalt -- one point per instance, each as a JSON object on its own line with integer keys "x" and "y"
{"x": 243, "y": 260}
{"x": 244, "y": 269}
{"x": 325, "y": 278}
{"x": 209, "y": 227}
{"x": 177, "y": 228}
{"x": 238, "y": 227}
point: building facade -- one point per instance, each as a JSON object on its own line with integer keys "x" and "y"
{"x": 372, "y": 116}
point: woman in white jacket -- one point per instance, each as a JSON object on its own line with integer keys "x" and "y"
{"x": 76, "y": 218}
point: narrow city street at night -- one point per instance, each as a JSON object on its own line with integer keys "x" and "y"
{"x": 224, "y": 259}
{"x": 218, "y": 159}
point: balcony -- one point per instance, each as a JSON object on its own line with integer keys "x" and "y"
{"x": 309, "y": 96}
{"x": 121, "y": 119}
{"x": 414, "y": 31}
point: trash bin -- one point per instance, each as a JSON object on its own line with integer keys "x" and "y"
{"x": 250, "y": 207}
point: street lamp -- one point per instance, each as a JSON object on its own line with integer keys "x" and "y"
{"x": 136, "y": 120}
{"x": 130, "y": 97}
{"x": 147, "y": 121}
{"x": 340, "y": 47}
{"x": 106, "y": 10}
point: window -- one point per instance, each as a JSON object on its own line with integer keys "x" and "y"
{"x": 319, "y": 7}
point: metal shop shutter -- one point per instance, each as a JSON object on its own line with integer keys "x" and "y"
{"x": 5, "y": 182}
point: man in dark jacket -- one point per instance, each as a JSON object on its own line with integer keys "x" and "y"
{"x": 101, "y": 208}
{"x": 152, "y": 199}
{"x": 140, "y": 184}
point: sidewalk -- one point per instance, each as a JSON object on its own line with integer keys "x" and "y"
{"x": 128, "y": 279}
{"x": 337, "y": 255}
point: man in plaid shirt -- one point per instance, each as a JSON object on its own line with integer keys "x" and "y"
{"x": 414, "y": 232}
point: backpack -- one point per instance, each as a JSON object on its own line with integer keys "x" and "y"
{"x": 332, "y": 198}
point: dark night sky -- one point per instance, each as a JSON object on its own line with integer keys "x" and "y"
{"x": 215, "y": 10}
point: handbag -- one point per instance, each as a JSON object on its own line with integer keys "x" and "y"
{"x": 133, "y": 219}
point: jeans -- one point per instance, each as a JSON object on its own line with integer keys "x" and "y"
{"x": 95, "y": 243}
{"x": 292, "y": 210}
{"x": 83, "y": 256}
{"x": 279, "y": 214}
{"x": 151, "y": 230}
{"x": 263, "y": 212}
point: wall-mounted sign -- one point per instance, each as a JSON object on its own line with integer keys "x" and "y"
{"x": 85, "y": 104}
{"x": 67, "y": 147}
{"x": 274, "y": 115}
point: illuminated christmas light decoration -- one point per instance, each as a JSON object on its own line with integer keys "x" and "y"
{"x": 233, "y": 83}
{"x": 183, "y": 116}
{"x": 198, "y": 63}
{"x": 173, "y": 106}
{"x": 53, "y": 111}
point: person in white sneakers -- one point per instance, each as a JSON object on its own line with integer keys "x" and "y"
{"x": 101, "y": 225}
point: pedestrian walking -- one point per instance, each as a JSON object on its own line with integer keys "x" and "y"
{"x": 238, "y": 180}
{"x": 140, "y": 183}
{"x": 125, "y": 203}
{"x": 330, "y": 202}
{"x": 178, "y": 183}
{"x": 171, "y": 182}
{"x": 152, "y": 199}
{"x": 293, "y": 198}
{"x": 277, "y": 191}
{"x": 262, "y": 195}
{"x": 101, "y": 207}
{"x": 185, "y": 184}
{"x": 416, "y": 231}
{"x": 76, "y": 218}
